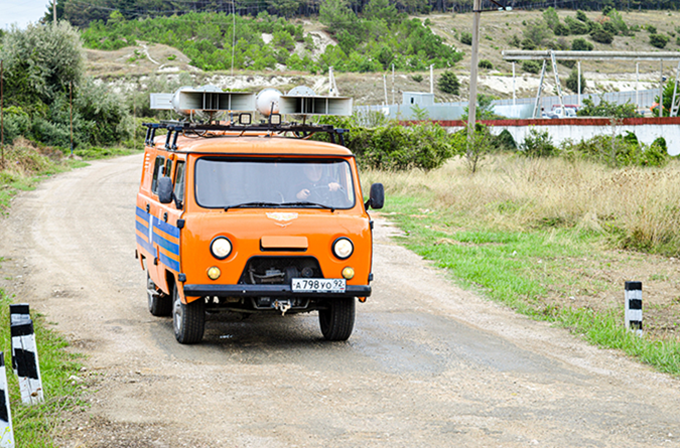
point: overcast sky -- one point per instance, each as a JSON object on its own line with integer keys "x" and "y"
{"x": 21, "y": 12}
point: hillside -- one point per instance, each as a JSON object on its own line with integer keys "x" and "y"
{"x": 497, "y": 30}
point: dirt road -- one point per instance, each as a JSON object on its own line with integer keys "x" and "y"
{"x": 428, "y": 364}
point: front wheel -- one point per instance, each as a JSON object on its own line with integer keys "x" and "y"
{"x": 188, "y": 320}
{"x": 337, "y": 320}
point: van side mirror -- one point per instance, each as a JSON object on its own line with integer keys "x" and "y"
{"x": 377, "y": 198}
{"x": 165, "y": 190}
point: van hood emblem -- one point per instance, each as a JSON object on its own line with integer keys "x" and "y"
{"x": 281, "y": 218}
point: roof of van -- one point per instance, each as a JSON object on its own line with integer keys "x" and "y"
{"x": 261, "y": 144}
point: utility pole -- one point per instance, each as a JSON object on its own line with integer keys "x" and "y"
{"x": 472, "y": 108}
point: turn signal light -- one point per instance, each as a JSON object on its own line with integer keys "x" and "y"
{"x": 214, "y": 273}
{"x": 348, "y": 273}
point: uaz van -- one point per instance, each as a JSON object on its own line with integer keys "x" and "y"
{"x": 253, "y": 219}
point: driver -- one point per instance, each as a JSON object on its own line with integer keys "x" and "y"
{"x": 314, "y": 172}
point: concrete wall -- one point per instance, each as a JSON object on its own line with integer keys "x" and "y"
{"x": 646, "y": 129}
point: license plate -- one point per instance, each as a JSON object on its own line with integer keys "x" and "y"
{"x": 318, "y": 285}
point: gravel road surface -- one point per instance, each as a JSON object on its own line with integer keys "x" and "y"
{"x": 428, "y": 365}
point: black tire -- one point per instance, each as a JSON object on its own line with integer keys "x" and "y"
{"x": 337, "y": 321}
{"x": 159, "y": 304}
{"x": 188, "y": 320}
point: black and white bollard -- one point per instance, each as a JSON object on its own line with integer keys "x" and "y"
{"x": 6, "y": 431}
{"x": 25, "y": 354}
{"x": 634, "y": 307}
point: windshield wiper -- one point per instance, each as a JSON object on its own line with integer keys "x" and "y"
{"x": 254, "y": 204}
{"x": 306, "y": 203}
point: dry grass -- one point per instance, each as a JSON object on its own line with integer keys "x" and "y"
{"x": 639, "y": 206}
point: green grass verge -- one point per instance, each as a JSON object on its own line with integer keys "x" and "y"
{"x": 519, "y": 269}
{"x": 35, "y": 426}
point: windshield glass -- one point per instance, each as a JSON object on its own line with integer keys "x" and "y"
{"x": 229, "y": 183}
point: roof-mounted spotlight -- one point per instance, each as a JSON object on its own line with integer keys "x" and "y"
{"x": 275, "y": 119}
{"x": 245, "y": 119}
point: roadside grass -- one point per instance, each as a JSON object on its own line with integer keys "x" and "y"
{"x": 26, "y": 164}
{"x": 532, "y": 234}
{"x": 35, "y": 426}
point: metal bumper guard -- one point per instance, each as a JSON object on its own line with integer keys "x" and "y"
{"x": 268, "y": 291}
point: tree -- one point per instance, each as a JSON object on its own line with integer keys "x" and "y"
{"x": 572, "y": 82}
{"x": 448, "y": 83}
{"x": 337, "y": 16}
{"x": 551, "y": 18}
{"x": 381, "y": 10}
{"x": 41, "y": 62}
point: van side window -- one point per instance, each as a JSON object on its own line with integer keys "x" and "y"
{"x": 179, "y": 182}
{"x": 157, "y": 172}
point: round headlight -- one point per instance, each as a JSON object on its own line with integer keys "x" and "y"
{"x": 220, "y": 247}
{"x": 343, "y": 248}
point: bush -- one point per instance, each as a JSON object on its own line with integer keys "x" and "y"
{"x": 581, "y": 16}
{"x": 531, "y": 66}
{"x": 505, "y": 141}
{"x": 425, "y": 146}
{"x": 602, "y": 36}
{"x": 466, "y": 38}
{"x": 572, "y": 82}
{"x": 576, "y": 27}
{"x": 561, "y": 30}
{"x": 485, "y": 64}
{"x": 581, "y": 44}
{"x": 448, "y": 83}
{"x": 658, "y": 40}
{"x": 651, "y": 29}
{"x": 538, "y": 144}
{"x": 528, "y": 44}
{"x": 607, "y": 109}
{"x": 417, "y": 78}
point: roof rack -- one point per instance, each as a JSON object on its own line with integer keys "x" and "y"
{"x": 299, "y": 130}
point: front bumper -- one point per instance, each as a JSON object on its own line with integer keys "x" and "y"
{"x": 268, "y": 291}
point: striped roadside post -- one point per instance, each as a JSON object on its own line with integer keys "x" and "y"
{"x": 633, "y": 308}
{"x": 6, "y": 432}
{"x": 25, "y": 354}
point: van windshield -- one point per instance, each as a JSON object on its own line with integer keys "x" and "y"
{"x": 232, "y": 183}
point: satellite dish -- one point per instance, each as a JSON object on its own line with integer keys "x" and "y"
{"x": 267, "y": 101}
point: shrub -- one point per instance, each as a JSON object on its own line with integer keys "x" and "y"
{"x": 515, "y": 42}
{"x": 538, "y": 144}
{"x": 576, "y": 27}
{"x": 581, "y": 44}
{"x": 658, "y": 40}
{"x": 528, "y": 44}
{"x": 651, "y": 29}
{"x": 505, "y": 141}
{"x": 448, "y": 83}
{"x": 602, "y": 36}
{"x": 531, "y": 66}
{"x": 561, "y": 30}
{"x": 572, "y": 82}
{"x": 466, "y": 38}
{"x": 581, "y": 16}
{"x": 417, "y": 78}
{"x": 607, "y": 109}
{"x": 485, "y": 64}
{"x": 425, "y": 146}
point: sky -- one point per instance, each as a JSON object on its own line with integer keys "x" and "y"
{"x": 21, "y": 12}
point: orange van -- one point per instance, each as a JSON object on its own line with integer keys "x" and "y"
{"x": 253, "y": 219}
